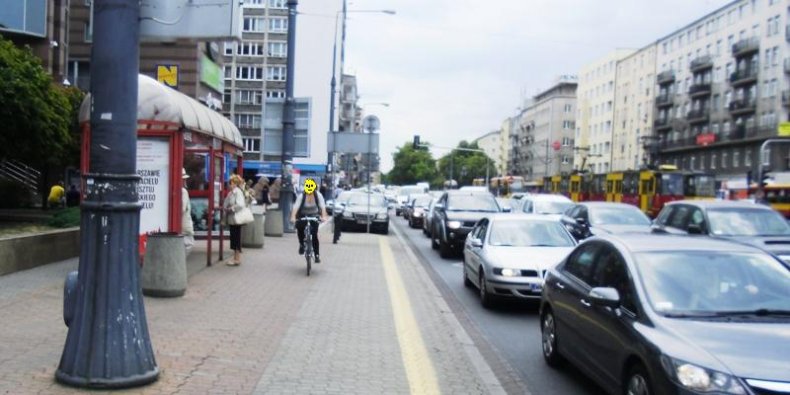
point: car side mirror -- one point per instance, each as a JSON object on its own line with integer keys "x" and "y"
{"x": 476, "y": 243}
{"x": 694, "y": 229}
{"x": 507, "y": 209}
{"x": 581, "y": 221}
{"x": 605, "y": 296}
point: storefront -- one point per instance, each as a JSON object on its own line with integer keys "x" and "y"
{"x": 177, "y": 132}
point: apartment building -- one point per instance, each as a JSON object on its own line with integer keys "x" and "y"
{"x": 42, "y": 25}
{"x": 508, "y": 127}
{"x": 595, "y": 113}
{"x": 543, "y": 144}
{"x": 254, "y": 75}
{"x": 491, "y": 145}
{"x": 633, "y": 145}
{"x": 722, "y": 89}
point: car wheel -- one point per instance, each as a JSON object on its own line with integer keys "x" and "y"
{"x": 467, "y": 281}
{"x": 638, "y": 382}
{"x": 486, "y": 299}
{"x": 445, "y": 249}
{"x": 434, "y": 244}
{"x": 548, "y": 331}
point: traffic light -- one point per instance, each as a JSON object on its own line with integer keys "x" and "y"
{"x": 416, "y": 143}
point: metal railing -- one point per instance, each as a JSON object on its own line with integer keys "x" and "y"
{"x": 21, "y": 173}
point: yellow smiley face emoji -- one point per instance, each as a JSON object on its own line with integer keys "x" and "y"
{"x": 309, "y": 186}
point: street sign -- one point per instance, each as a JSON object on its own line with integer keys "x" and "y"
{"x": 371, "y": 123}
{"x": 200, "y": 20}
{"x": 784, "y": 129}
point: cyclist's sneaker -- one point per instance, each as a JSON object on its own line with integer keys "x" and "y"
{"x": 301, "y": 250}
{"x": 317, "y": 259}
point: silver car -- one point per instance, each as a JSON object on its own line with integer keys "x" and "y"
{"x": 508, "y": 255}
{"x": 426, "y": 222}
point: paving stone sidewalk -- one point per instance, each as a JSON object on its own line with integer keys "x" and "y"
{"x": 262, "y": 327}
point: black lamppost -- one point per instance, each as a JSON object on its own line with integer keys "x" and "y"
{"x": 107, "y": 345}
{"x": 289, "y": 119}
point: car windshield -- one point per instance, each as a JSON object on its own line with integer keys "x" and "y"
{"x": 361, "y": 199}
{"x": 747, "y": 222}
{"x": 344, "y": 196}
{"x": 423, "y": 201}
{"x": 671, "y": 184}
{"x": 713, "y": 281}
{"x": 529, "y": 234}
{"x": 406, "y": 191}
{"x": 551, "y": 207}
{"x": 472, "y": 202}
{"x": 618, "y": 216}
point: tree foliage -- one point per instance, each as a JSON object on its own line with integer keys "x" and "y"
{"x": 412, "y": 166}
{"x": 36, "y": 115}
{"x": 466, "y": 165}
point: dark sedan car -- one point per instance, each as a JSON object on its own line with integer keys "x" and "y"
{"x": 454, "y": 216}
{"x": 593, "y": 218}
{"x": 363, "y": 208}
{"x": 745, "y": 222}
{"x": 418, "y": 209}
{"x": 664, "y": 314}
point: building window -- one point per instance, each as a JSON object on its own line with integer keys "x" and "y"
{"x": 278, "y": 49}
{"x": 275, "y": 94}
{"x": 281, "y": 4}
{"x": 724, "y": 160}
{"x": 567, "y": 141}
{"x": 228, "y": 72}
{"x": 253, "y": 24}
{"x": 275, "y": 73}
{"x": 254, "y": 3}
{"x": 747, "y": 158}
{"x": 249, "y": 49}
{"x": 568, "y": 108}
{"x": 229, "y": 45}
{"x": 566, "y": 160}
{"x": 252, "y": 145}
{"x": 278, "y": 25}
{"x": 736, "y": 158}
{"x": 88, "y": 32}
{"x": 226, "y": 96}
{"x": 249, "y": 73}
{"x": 249, "y": 121}
{"x": 245, "y": 96}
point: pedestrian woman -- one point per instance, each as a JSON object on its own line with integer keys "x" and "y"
{"x": 235, "y": 202}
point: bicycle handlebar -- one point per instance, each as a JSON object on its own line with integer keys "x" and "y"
{"x": 316, "y": 219}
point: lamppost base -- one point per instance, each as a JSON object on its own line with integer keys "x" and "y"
{"x": 113, "y": 383}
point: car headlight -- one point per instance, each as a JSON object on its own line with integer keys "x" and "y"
{"x": 510, "y": 272}
{"x": 347, "y": 214}
{"x": 381, "y": 215}
{"x": 453, "y": 224}
{"x": 701, "y": 379}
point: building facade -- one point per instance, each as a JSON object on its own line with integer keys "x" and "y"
{"x": 254, "y": 72}
{"x": 543, "y": 145}
{"x": 595, "y": 113}
{"x": 491, "y": 145}
{"x": 722, "y": 84}
{"x": 505, "y": 130}
{"x": 633, "y": 145}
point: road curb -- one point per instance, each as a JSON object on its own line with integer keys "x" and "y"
{"x": 481, "y": 365}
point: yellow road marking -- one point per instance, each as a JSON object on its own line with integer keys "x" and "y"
{"x": 419, "y": 369}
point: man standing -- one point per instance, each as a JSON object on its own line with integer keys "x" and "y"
{"x": 187, "y": 229}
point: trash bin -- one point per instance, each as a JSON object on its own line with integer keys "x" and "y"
{"x": 274, "y": 222}
{"x": 164, "y": 272}
{"x": 252, "y": 233}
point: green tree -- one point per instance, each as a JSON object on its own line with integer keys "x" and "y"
{"x": 35, "y": 114}
{"x": 466, "y": 165}
{"x": 412, "y": 166}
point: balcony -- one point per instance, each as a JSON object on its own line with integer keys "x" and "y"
{"x": 742, "y": 106}
{"x": 662, "y": 124}
{"x": 664, "y": 100}
{"x": 698, "y": 116}
{"x": 746, "y": 46}
{"x": 698, "y": 90}
{"x": 701, "y": 63}
{"x": 744, "y": 76}
{"x": 665, "y": 77}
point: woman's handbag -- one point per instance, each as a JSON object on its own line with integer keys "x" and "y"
{"x": 243, "y": 216}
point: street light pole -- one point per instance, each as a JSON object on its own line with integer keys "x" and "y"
{"x": 333, "y": 92}
{"x": 108, "y": 345}
{"x": 289, "y": 119}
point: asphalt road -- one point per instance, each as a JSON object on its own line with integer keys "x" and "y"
{"x": 512, "y": 328}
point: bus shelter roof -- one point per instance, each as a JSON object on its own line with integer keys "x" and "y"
{"x": 157, "y": 102}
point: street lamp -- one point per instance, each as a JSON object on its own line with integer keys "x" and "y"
{"x": 333, "y": 83}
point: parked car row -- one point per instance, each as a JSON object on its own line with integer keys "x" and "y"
{"x": 695, "y": 302}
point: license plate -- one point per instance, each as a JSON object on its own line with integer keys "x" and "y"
{"x": 362, "y": 222}
{"x": 536, "y": 287}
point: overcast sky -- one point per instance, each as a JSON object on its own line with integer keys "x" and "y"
{"x": 455, "y": 69}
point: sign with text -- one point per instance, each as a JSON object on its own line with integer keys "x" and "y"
{"x": 153, "y": 167}
{"x": 706, "y": 138}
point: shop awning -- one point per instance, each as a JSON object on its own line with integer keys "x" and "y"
{"x": 157, "y": 102}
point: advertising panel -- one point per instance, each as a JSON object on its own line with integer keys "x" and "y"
{"x": 153, "y": 159}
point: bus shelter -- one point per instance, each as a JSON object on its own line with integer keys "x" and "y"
{"x": 176, "y": 132}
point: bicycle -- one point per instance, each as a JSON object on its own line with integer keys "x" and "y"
{"x": 308, "y": 241}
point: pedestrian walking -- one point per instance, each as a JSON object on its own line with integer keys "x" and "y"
{"x": 235, "y": 206}
{"x": 72, "y": 196}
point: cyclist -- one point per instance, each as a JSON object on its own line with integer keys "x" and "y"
{"x": 308, "y": 204}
